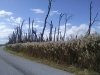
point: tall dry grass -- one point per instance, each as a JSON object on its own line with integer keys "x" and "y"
{"x": 83, "y": 52}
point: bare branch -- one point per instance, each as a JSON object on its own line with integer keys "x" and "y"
{"x": 54, "y": 34}
{"x": 91, "y": 21}
{"x": 60, "y": 18}
{"x": 66, "y": 20}
{"x": 94, "y": 20}
{"x": 45, "y": 22}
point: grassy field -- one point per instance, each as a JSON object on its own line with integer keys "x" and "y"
{"x": 80, "y": 56}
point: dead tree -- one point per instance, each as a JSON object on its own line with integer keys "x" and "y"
{"x": 54, "y": 34}
{"x": 20, "y": 32}
{"x": 92, "y": 21}
{"x": 10, "y": 40}
{"x": 32, "y": 26}
{"x": 29, "y": 30}
{"x": 60, "y": 36}
{"x": 34, "y": 33}
{"x": 17, "y": 34}
{"x": 25, "y": 38}
{"x": 50, "y": 34}
{"x": 60, "y": 18}
{"x": 47, "y": 39}
{"x": 45, "y": 22}
{"x": 66, "y": 20}
{"x": 14, "y": 37}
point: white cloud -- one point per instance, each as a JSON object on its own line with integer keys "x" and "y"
{"x": 38, "y": 21}
{"x": 2, "y": 26}
{"x": 4, "y": 13}
{"x": 71, "y": 30}
{"x": 7, "y": 24}
{"x": 68, "y": 25}
{"x": 4, "y": 33}
{"x": 36, "y": 26}
{"x": 26, "y": 26}
{"x": 55, "y": 12}
{"x": 38, "y": 11}
{"x": 80, "y": 30}
{"x": 76, "y": 30}
{"x": 14, "y": 21}
{"x": 5, "y": 30}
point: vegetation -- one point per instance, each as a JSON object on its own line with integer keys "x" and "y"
{"x": 19, "y": 36}
{"x": 82, "y": 52}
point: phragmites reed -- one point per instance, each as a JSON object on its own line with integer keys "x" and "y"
{"x": 83, "y": 52}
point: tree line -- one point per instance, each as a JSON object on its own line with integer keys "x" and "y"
{"x": 31, "y": 36}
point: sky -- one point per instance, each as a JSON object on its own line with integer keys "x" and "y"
{"x": 13, "y": 12}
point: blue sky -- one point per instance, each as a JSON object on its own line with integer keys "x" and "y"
{"x": 12, "y": 12}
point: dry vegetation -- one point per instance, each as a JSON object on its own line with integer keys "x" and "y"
{"x": 82, "y": 53}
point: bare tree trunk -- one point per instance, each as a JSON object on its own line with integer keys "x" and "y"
{"x": 90, "y": 24}
{"x": 34, "y": 32}
{"x": 91, "y": 21}
{"x": 60, "y": 17}
{"x": 32, "y": 26}
{"x": 14, "y": 37}
{"x": 54, "y": 34}
{"x": 45, "y": 22}
{"x": 66, "y": 20}
{"x": 50, "y": 34}
{"x": 60, "y": 36}
{"x": 18, "y": 34}
{"x": 29, "y": 30}
{"x": 21, "y": 31}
